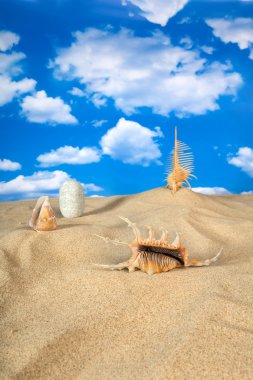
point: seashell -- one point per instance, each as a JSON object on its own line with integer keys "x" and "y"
{"x": 155, "y": 256}
{"x": 71, "y": 199}
{"x": 43, "y": 218}
{"x": 180, "y": 165}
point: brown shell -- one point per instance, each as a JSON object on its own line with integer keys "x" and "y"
{"x": 43, "y": 218}
{"x": 180, "y": 165}
{"x": 154, "y": 256}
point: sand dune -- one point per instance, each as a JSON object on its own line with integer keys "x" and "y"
{"x": 61, "y": 318}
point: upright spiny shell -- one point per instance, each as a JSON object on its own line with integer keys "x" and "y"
{"x": 43, "y": 218}
{"x": 71, "y": 199}
{"x": 180, "y": 166}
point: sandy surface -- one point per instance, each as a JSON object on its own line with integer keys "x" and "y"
{"x": 61, "y": 318}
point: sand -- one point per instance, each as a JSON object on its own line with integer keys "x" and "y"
{"x": 62, "y": 318}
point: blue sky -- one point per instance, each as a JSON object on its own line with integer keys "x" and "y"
{"x": 92, "y": 90}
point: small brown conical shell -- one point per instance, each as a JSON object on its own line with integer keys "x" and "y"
{"x": 43, "y": 218}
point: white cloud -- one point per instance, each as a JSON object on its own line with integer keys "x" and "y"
{"x": 158, "y": 11}
{"x": 207, "y": 49}
{"x": 39, "y": 183}
{"x": 185, "y": 20}
{"x": 77, "y": 92}
{"x": 40, "y": 108}
{"x": 247, "y": 192}
{"x": 8, "y": 165}
{"x": 243, "y": 160}
{"x": 132, "y": 143}
{"x": 11, "y": 88}
{"x": 9, "y": 68}
{"x": 211, "y": 190}
{"x": 8, "y": 40}
{"x": 186, "y": 42}
{"x": 98, "y": 100}
{"x": 98, "y": 123}
{"x": 69, "y": 155}
{"x": 238, "y": 30}
{"x": 92, "y": 187}
{"x": 147, "y": 72}
{"x": 10, "y": 63}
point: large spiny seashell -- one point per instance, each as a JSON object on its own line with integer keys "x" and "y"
{"x": 43, "y": 218}
{"x": 154, "y": 256}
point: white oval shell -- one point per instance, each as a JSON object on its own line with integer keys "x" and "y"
{"x": 71, "y": 199}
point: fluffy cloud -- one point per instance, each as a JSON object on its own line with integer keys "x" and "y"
{"x": 211, "y": 190}
{"x": 207, "y": 49}
{"x": 69, "y": 155}
{"x": 186, "y": 42}
{"x": 10, "y": 67}
{"x": 11, "y": 88}
{"x": 92, "y": 187}
{"x": 98, "y": 123}
{"x": 243, "y": 160}
{"x": 238, "y": 30}
{"x": 40, "y": 108}
{"x": 128, "y": 141}
{"x": 158, "y": 11}
{"x": 39, "y": 183}
{"x": 147, "y": 72}
{"x": 10, "y": 63}
{"x": 8, "y": 39}
{"x": 77, "y": 92}
{"x": 8, "y": 165}
{"x": 132, "y": 143}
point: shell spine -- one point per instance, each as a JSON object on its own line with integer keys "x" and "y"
{"x": 180, "y": 166}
